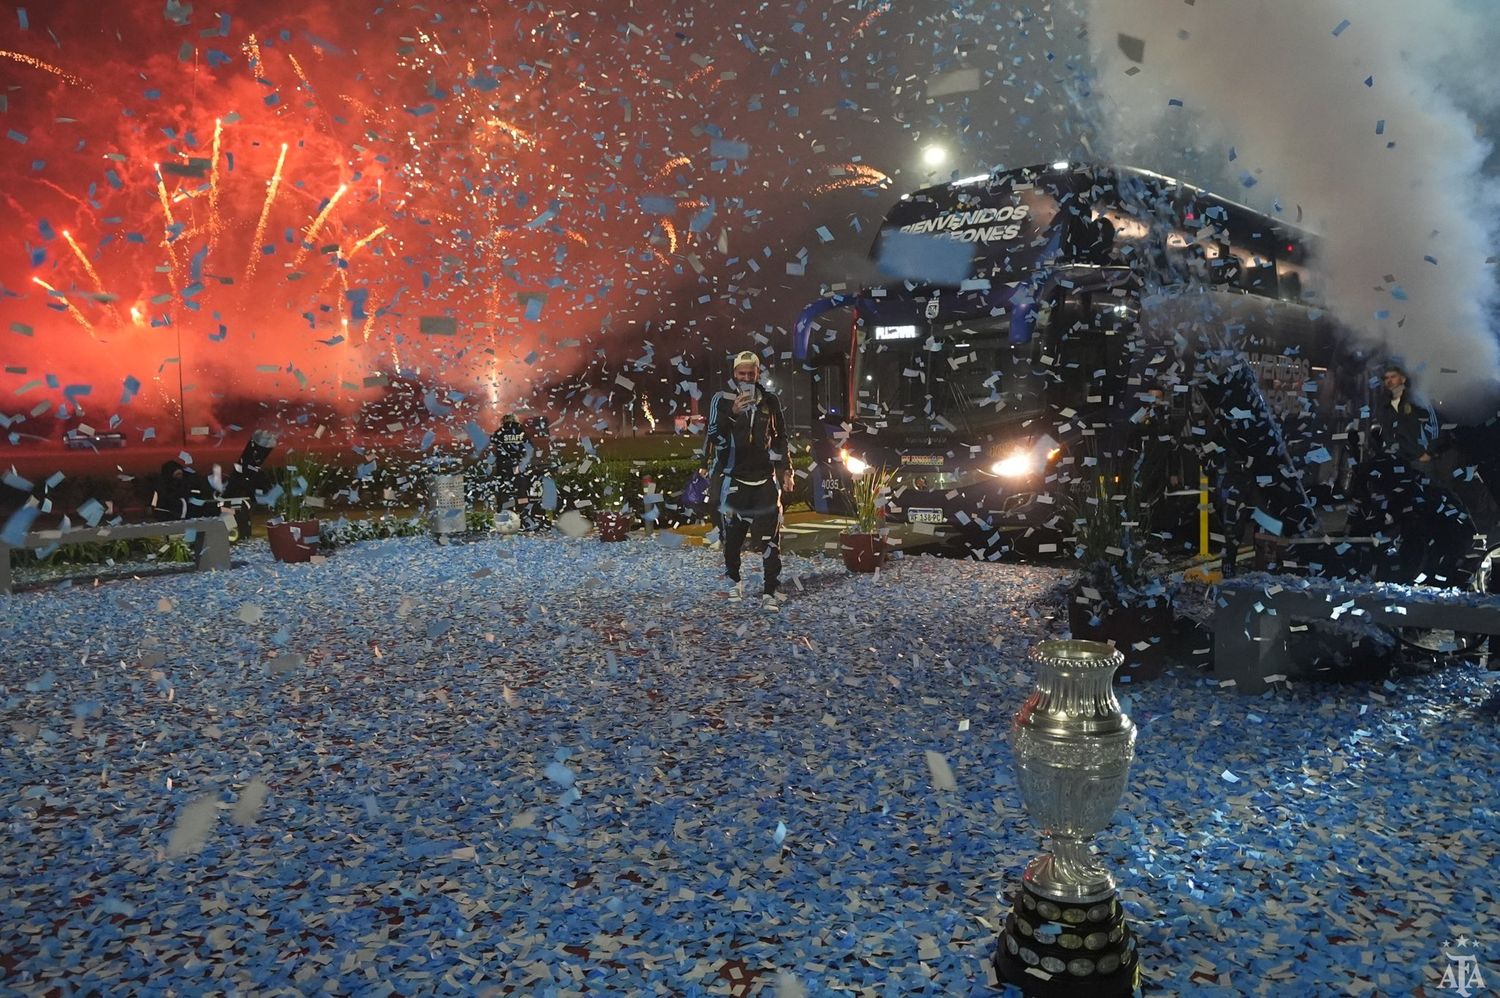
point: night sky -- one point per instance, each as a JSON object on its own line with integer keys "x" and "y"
{"x": 297, "y": 197}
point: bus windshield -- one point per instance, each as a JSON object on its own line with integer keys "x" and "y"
{"x": 959, "y": 375}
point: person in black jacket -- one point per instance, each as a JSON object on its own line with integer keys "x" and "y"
{"x": 747, "y": 438}
{"x": 511, "y": 454}
{"x": 1404, "y": 428}
{"x": 1435, "y": 530}
{"x": 181, "y": 494}
{"x": 248, "y": 478}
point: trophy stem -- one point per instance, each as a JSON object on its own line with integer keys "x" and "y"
{"x": 1069, "y": 873}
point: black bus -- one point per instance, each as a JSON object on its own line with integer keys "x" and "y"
{"x": 1091, "y": 299}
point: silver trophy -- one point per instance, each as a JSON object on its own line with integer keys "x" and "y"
{"x": 1073, "y": 748}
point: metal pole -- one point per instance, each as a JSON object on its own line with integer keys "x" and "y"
{"x": 1203, "y": 516}
{"x": 181, "y": 392}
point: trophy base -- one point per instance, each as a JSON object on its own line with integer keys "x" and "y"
{"x": 1052, "y": 948}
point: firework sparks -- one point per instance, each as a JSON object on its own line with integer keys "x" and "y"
{"x": 166, "y": 207}
{"x": 853, "y": 175}
{"x": 870, "y": 18}
{"x": 214, "y": 222}
{"x": 45, "y": 67}
{"x": 364, "y": 242}
{"x": 252, "y": 52}
{"x": 161, "y": 193}
{"x": 364, "y": 327}
{"x": 72, "y": 309}
{"x": 359, "y": 106}
{"x": 671, "y": 165}
{"x": 297, "y": 68}
{"x": 87, "y": 265}
{"x": 496, "y": 184}
{"x": 519, "y": 135}
{"x": 317, "y": 226}
{"x": 265, "y": 213}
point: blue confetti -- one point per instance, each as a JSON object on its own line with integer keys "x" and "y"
{"x": 933, "y": 259}
{"x": 725, "y": 149}
{"x": 18, "y": 525}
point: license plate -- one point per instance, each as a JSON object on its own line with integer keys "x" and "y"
{"x": 925, "y": 516}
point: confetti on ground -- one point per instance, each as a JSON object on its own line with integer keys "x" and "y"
{"x": 598, "y": 775}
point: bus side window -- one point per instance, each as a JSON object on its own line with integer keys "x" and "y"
{"x": 1291, "y": 285}
{"x": 1224, "y": 266}
{"x": 1259, "y": 275}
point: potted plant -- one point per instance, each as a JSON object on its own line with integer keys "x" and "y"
{"x": 293, "y": 529}
{"x": 613, "y": 518}
{"x": 863, "y": 546}
{"x": 1118, "y": 595}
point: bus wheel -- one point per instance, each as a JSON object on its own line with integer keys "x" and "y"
{"x": 1484, "y": 578}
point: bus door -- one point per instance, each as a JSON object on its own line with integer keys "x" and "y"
{"x": 1086, "y": 348}
{"x": 827, "y": 367}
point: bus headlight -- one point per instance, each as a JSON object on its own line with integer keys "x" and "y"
{"x": 1019, "y": 464}
{"x": 1025, "y": 463}
{"x": 855, "y": 465}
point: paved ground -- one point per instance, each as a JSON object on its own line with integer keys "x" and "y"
{"x": 542, "y": 766}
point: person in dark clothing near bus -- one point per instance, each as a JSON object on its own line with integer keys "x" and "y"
{"x": 747, "y": 436}
{"x": 1435, "y": 531}
{"x": 248, "y": 478}
{"x": 1406, "y": 429}
{"x": 182, "y": 494}
{"x": 1403, "y": 427}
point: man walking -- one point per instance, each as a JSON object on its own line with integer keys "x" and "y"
{"x": 747, "y": 438}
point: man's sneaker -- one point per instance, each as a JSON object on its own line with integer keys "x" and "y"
{"x": 736, "y": 592}
{"x": 770, "y": 603}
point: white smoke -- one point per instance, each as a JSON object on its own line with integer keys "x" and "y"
{"x": 1276, "y": 111}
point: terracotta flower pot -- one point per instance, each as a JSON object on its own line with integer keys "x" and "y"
{"x": 293, "y": 542}
{"x": 613, "y": 526}
{"x": 863, "y": 552}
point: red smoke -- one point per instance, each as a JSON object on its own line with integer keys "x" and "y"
{"x": 490, "y": 228}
